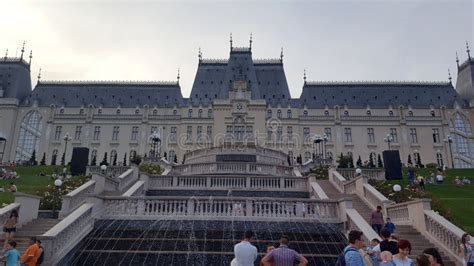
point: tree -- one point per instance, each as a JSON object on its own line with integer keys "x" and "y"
{"x": 371, "y": 161}
{"x": 63, "y": 159}
{"x": 114, "y": 160}
{"x": 350, "y": 161}
{"x": 409, "y": 160}
{"x": 165, "y": 155}
{"x": 32, "y": 160}
{"x": 359, "y": 162}
{"x": 379, "y": 161}
{"x": 104, "y": 161}
{"x": 94, "y": 160}
{"x": 43, "y": 160}
{"x": 124, "y": 159}
{"x": 343, "y": 161}
{"x": 175, "y": 160}
{"x": 54, "y": 158}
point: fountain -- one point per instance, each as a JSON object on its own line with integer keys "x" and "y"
{"x": 195, "y": 218}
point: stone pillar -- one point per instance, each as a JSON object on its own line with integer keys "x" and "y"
{"x": 28, "y": 208}
{"x": 248, "y": 208}
{"x": 416, "y": 213}
{"x": 344, "y": 204}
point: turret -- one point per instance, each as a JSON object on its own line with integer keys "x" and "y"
{"x": 465, "y": 78}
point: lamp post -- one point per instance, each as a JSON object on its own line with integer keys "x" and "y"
{"x": 388, "y": 139}
{"x": 397, "y": 188}
{"x": 103, "y": 168}
{"x": 156, "y": 143}
{"x": 57, "y": 184}
{"x": 358, "y": 172}
{"x": 66, "y": 138}
{"x": 317, "y": 145}
{"x": 325, "y": 140}
{"x": 449, "y": 139}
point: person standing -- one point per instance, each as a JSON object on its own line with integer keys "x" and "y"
{"x": 283, "y": 255}
{"x": 466, "y": 250}
{"x": 9, "y": 227}
{"x": 433, "y": 256}
{"x": 376, "y": 219}
{"x": 411, "y": 175}
{"x": 11, "y": 255}
{"x": 390, "y": 226}
{"x": 404, "y": 249}
{"x": 387, "y": 244}
{"x": 40, "y": 253}
{"x": 245, "y": 253}
{"x": 269, "y": 249}
{"x": 30, "y": 257}
{"x": 350, "y": 255}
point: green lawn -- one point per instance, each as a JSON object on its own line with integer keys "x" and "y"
{"x": 459, "y": 199}
{"x": 29, "y": 181}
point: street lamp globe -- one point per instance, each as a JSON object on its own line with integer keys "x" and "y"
{"x": 58, "y": 183}
{"x": 103, "y": 167}
{"x": 358, "y": 171}
{"x": 397, "y": 188}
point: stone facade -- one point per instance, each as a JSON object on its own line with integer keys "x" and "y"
{"x": 234, "y": 101}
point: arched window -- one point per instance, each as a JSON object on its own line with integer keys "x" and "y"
{"x": 326, "y": 113}
{"x": 54, "y": 157}
{"x": 190, "y": 113}
{"x": 329, "y": 155}
{"x": 269, "y": 113}
{"x": 155, "y": 111}
{"x": 288, "y": 114}
{"x": 137, "y": 111}
{"x": 433, "y": 113}
{"x": 200, "y": 113}
{"x": 279, "y": 114}
{"x": 175, "y": 112}
{"x": 369, "y": 113}
{"x": 390, "y": 113}
{"x": 133, "y": 153}
{"x": 307, "y": 156}
{"x": 461, "y": 146}
{"x": 346, "y": 113}
{"x": 118, "y": 111}
{"x": 30, "y": 134}
{"x": 410, "y": 113}
{"x": 305, "y": 113}
{"x": 209, "y": 113}
{"x": 171, "y": 156}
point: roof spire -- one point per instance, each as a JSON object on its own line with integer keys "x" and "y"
{"x": 304, "y": 76}
{"x": 31, "y": 56}
{"x": 281, "y": 55}
{"x": 39, "y": 75}
{"x": 6, "y": 55}
{"x": 449, "y": 76}
{"x": 22, "y": 51}
{"x": 200, "y": 54}
{"x": 178, "y": 77}
{"x": 230, "y": 41}
{"x": 457, "y": 59}
{"x": 250, "y": 41}
{"x": 468, "y": 51}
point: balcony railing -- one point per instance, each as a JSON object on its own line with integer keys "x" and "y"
{"x": 232, "y": 168}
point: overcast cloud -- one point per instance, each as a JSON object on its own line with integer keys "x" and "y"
{"x": 333, "y": 40}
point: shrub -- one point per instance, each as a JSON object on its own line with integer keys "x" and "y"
{"x": 51, "y": 199}
{"x": 152, "y": 169}
{"x": 431, "y": 165}
{"x": 320, "y": 172}
{"x": 137, "y": 159}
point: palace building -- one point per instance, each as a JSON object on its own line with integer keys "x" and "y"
{"x": 233, "y": 101}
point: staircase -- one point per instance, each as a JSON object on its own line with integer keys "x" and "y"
{"x": 417, "y": 240}
{"x": 33, "y": 228}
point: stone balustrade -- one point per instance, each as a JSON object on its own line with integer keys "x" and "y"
{"x": 221, "y": 207}
{"x": 137, "y": 189}
{"x": 5, "y": 212}
{"x": 337, "y": 179}
{"x": 356, "y": 222}
{"x": 285, "y": 183}
{"x": 111, "y": 171}
{"x": 76, "y": 197}
{"x": 375, "y": 174}
{"x": 126, "y": 178}
{"x": 232, "y": 168}
{"x": 265, "y": 154}
{"x": 350, "y": 187}
{"x": 374, "y": 198}
{"x": 60, "y": 239}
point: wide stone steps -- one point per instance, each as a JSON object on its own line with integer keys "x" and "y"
{"x": 34, "y": 228}
{"x": 417, "y": 240}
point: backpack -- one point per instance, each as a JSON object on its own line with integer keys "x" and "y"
{"x": 341, "y": 259}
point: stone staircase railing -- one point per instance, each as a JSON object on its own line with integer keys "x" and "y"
{"x": 224, "y": 208}
{"x": 375, "y": 174}
{"x": 231, "y": 168}
{"x": 60, "y": 239}
{"x": 416, "y": 213}
{"x": 76, "y": 197}
{"x": 357, "y": 222}
{"x": 27, "y": 207}
{"x": 268, "y": 183}
{"x": 111, "y": 171}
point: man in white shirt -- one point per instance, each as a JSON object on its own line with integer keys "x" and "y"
{"x": 245, "y": 253}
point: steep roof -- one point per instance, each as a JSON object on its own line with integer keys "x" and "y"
{"x": 106, "y": 94}
{"x": 379, "y": 94}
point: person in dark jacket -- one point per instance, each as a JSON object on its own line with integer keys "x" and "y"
{"x": 387, "y": 244}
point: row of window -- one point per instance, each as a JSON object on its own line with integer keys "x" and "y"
{"x": 155, "y": 112}
{"x": 326, "y": 113}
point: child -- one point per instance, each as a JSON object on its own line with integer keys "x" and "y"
{"x": 390, "y": 226}
{"x": 11, "y": 255}
{"x": 422, "y": 183}
{"x": 373, "y": 252}
{"x": 386, "y": 257}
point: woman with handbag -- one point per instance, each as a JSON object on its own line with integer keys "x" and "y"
{"x": 466, "y": 250}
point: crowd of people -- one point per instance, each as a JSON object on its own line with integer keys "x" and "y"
{"x": 34, "y": 254}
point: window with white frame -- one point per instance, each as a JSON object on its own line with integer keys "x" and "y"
{"x": 305, "y": 113}
{"x": 200, "y": 113}
{"x": 439, "y": 159}
{"x": 436, "y": 135}
{"x": 279, "y": 114}
{"x": 413, "y": 135}
{"x": 29, "y": 138}
{"x": 96, "y": 135}
{"x": 134, "y": 133}
{"x": 209, "y": 131}
{"x": 249, "y": 131}
{"x": 94, "y": 155}
{"x": 289, "y": 131}
{"x": 77, "y": 133}
{"x": 190, "y": 113}
{"x": 288, "y": 114}
{"x": 209, "y": 113}
{"x": 115, "y": 133}
{"x": 189, "y": 133}
{"x": 348, "y": 134}
{"x": 371, "y": 135}
{"x": 306, "y": 134}
{"x": 269, "y": 113}
{"x": 173, "y": 134}
{"x": 328, "y": 133}
{"x": 199, "y": 133}
{"x": 57, "y": 133}
{"x": 393, "y": 134}
{"x": 279, "y": 133}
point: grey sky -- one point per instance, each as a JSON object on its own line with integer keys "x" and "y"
{"x": 338, "y": 40}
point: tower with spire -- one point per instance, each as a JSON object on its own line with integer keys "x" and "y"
{"x": 465, "y": 77}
